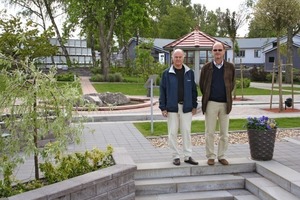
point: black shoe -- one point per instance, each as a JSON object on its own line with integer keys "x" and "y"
{"x": 176, "y": 161}
{"x": 191, "y": 161}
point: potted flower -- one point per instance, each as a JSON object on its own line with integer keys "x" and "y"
{"x": 261, "y": 134}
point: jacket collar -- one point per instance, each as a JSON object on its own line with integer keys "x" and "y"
{"x": 172, "y": 70}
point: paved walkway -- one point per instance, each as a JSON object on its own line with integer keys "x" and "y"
{"x": 124, "y": 134}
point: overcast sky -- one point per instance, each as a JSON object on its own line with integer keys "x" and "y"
{"x": 232, "y": 5}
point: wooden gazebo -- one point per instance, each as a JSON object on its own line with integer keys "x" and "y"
{"x": 197, "y": 46}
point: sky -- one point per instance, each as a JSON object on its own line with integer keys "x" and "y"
{"x": 232, "y": 5}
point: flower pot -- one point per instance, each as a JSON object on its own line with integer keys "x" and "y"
{"x": 261, "y": 143}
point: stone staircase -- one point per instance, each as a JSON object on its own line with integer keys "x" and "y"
{"x": 243, "y": 179}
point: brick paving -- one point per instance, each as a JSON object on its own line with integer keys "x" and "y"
{"x": 124, "y": 134}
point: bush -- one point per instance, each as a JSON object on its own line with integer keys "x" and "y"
{"x": 96, "y": 70}
{"x": 111, "y": 78}
{"x": 76, "y": 164}
{"x": 69, "y": 76}
{"x": 118, "y": 77}
{"x": 258, "y": 74}
{"x": 246, "y": 83}
{"x": 97, "y": 78}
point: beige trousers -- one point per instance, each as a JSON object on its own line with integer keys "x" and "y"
{"x": 182, "y": 121}
{"x": 216, "y": 111}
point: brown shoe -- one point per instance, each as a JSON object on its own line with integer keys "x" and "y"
{"x": 223, "y": 161}
{"x": 211, "y": 161}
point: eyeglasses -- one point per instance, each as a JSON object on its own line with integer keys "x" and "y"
{"x": 217, "y": 50}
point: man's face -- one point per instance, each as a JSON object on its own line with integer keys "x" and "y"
{"x": 218, "y": 51}
{"x": 178, "y": 59}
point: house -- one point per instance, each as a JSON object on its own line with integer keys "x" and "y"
{"x": 78, "y": 51}
{"x": 252, "y": 51}
{"x": 270, "y": 54}
{"x": 158, "y": 53}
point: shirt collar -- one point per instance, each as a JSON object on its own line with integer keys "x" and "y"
{"x": 220, "y": 65}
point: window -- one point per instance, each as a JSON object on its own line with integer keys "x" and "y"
{"x": 189, "y": 58}
{"x": 241, "y": 54}
{"x": 205, "y": 56}
{"x": 271, "y": 59}
{"x": 256, "y": 53}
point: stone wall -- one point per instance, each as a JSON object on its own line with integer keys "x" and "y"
{"x": 112, "y": 183}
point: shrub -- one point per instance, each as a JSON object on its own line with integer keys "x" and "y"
{"x": 246, "y": 83}
{"x": 97, "y": 78}
{"x": 69, "y": 76}
{"x": 118, "y": 77}
{"x": 258, "y": 74}
{"x": 96, "y": 70}
{"x": 111, "y": 78}
{"x": 76, "y": 164}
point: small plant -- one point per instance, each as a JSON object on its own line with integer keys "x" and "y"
{"x": 260, "y": 123}
{"x": 65, "y": 167}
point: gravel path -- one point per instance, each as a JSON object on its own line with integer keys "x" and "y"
{"x": 234, "y": 138}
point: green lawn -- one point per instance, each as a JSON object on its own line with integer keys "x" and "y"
{"x": 125, "y": 88}
{"x": 160, "y": 128}
{"x": 140, "y": 90}
{"x": 289, "y": 88}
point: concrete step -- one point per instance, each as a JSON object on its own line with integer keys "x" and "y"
{"x": 206, "y": 195}
{"x": 284, "y": 177}
{"x": 189, "y": 184}
{"x": 167, "y": 169}
{"x": 246, "y": 197}
{"x": 216, "y": 195}
{"x": 265, "y": 189}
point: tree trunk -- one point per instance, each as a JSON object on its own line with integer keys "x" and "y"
{"x": 288, "y": 68}
{"x": 105, "y": 40}
{"x": 92, "y": 42}
{"x": 35, "y": 137}
{"x": 279, "y": 74}
{"x": 64, "y": 49}
{"x": 233, "y": 61}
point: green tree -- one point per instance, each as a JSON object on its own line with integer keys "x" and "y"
{"x": 206, "y": 20}
{"x": 43, "y": 11}
{"x": 103, "y": 18}
{"x": 279, "y": 15}
{"x": 145, "y": 63}
{"x": 32, "y": 102}
{"x": 178, "y": 23}
{"x": 20, "y": 41}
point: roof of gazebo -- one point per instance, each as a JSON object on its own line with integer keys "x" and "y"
{"x": 194, "y": 40}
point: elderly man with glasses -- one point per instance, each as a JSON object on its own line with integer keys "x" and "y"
{"x": 217, "y": 79}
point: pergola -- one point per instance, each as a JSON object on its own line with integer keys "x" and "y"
{"x": 197, "y": 46}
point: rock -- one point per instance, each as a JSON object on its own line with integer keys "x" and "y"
{"x": 114, "y": 98}
{"x": 93, "y": 99}
{"x": 106, "y": 99}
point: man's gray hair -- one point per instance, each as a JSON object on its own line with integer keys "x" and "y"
{"x": 178, "y": 50}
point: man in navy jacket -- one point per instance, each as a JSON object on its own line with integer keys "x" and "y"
{"x": 178, "y": 102}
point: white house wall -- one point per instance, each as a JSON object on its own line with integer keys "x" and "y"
{"x": 248, "y": 59}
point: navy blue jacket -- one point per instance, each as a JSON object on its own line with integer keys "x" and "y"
{"x": 168, "y": 98}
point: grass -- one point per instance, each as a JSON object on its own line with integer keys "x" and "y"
{"x": 139, "y": 89}
{"x": 160, "y": 128}
{"x": 125, "y": 88}
{"x": 289, "y": 88}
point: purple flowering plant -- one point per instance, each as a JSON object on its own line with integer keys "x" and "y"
{"x": 261, "y": 123}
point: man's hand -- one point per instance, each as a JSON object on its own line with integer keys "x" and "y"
{"x": 164, "y": 113}
{"x": 194, "y": 111}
